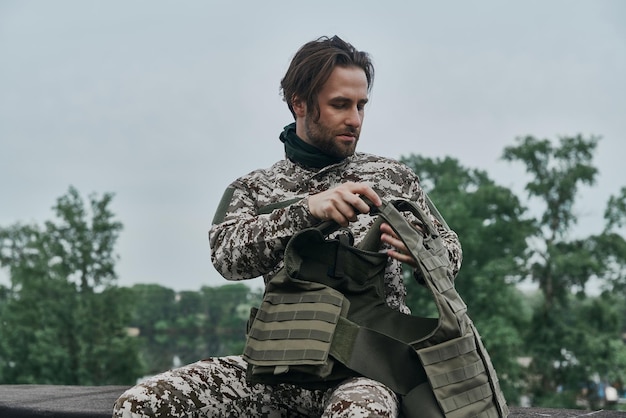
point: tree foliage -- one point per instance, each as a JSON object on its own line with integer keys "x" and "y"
{"x": 190, "y": 325}
{"x": 569, "y": 336}
{"x": 63, "y": 321}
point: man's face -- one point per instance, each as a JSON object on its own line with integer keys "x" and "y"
{"x": 341, "y": 102}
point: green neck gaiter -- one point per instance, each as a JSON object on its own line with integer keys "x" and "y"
{"x": 303, "y": 153}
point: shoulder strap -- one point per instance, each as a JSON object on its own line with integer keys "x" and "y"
{"x": 390, "y": 212}
{"x": 435, "y": 212}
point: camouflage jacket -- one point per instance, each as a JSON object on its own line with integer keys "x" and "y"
{"x": 246, "y": 244}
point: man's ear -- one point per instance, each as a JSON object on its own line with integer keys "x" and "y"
{"x": 299, "y": 106}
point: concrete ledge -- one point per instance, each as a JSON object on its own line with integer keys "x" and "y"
{"x": 21, "y": 401}
{"x": 58, "y": 401}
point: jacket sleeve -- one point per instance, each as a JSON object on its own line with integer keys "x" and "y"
{"x": 245, "y": 244}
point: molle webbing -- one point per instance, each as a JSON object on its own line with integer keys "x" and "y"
{"x": 416, "y": 357}
{"x": 451, "y": 366}
{"x": 295, "y": 328}
{"x": 296, "y": 331}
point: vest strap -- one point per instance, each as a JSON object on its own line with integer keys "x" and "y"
{"x": 362, "y": 349}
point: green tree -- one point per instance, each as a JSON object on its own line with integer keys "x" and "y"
{"x": 228, "y": 310}
{"x": 190, "y": 325}
{"x": 153, "y": 309}
{"x": 489, "y": 220}
{"x": 63, "y": 320}
{"x": 569, "y": 336}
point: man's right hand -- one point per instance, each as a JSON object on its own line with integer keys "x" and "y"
{"x": 343, "y": 203}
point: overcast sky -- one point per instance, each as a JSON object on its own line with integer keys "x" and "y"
{"x": 165, "y": 103}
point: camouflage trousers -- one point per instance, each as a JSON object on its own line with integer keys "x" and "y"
{"x": 217, "y": 387}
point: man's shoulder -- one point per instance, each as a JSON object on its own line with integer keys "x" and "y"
{"x": 278, "y": 166}
{"x": 364, "y": 156}
{"x": 377, "y": 162}
{"x": 280, "y": 169}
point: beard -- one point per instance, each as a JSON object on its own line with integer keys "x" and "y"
{"x": 323, "y": 138}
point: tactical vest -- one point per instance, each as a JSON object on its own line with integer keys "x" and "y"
{"x": 324, "y": 318}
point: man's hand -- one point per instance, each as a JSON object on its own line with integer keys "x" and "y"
{"x": 343, "y": 203}
{"x": 400, "y": 252}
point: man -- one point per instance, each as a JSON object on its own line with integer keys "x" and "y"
{"x": 326, "y": 89}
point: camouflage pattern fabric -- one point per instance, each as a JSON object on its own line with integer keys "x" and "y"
{"x": 245, "y": 245}
{"x": 217, "y": 387}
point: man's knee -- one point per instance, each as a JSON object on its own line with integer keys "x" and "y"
{"x": 133, "y": 403}
{"x": 362, "y": 397}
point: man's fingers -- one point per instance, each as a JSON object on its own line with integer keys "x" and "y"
{"x": 405, "y": 258}
{"x": 366, "y": 191}
{"x": 389, "y": 236}
{"x": 351, "y": 194}
{"x": 399, "y": 252}
{"x": 343, "y": 203}
{"x": 343, "y": 213}
{"x": 358, "y": 204}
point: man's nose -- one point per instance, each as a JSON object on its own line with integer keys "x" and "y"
{"x": 354, "y": 117}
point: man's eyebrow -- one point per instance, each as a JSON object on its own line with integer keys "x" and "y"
{"x": 347, "y": 99}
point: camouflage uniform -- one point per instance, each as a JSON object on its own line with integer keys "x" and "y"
{"x": 217, "y": 387}
{"x": 246, "y": 244}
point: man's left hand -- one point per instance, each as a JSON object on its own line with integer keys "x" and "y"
{"x": 399, "y": 251}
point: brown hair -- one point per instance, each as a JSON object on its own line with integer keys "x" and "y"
{"x": 312, "y": 65}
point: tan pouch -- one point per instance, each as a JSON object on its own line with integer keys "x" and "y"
{"x": 292, "y": 333}
{"x": 456, "y": 373}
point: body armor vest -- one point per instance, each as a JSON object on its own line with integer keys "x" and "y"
{"x": 324, "y": 318}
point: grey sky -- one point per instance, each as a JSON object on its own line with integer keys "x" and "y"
{"x": 165, "y": 103}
